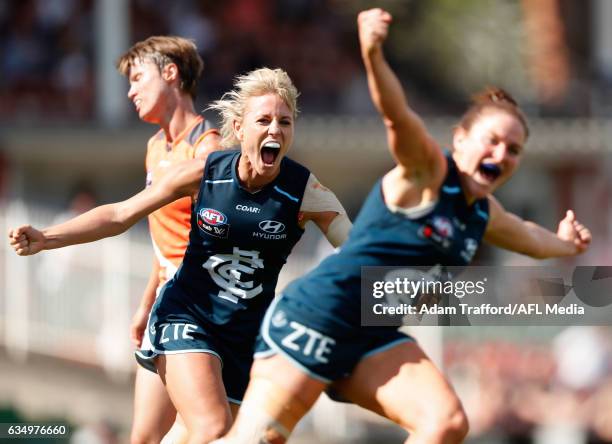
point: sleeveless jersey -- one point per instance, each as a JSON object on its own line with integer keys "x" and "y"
{"x": 448, "y": 235}
{"x": 169, "y": 226}
{"x": 238, "y": 243}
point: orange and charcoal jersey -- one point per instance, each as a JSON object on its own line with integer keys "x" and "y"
{"x": 169, "y": 226}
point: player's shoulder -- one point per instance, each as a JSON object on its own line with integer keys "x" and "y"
{"x": 157, "y": 139}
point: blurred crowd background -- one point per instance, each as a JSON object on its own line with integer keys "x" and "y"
{"x": 549, "y": 53}
{"x": 69, "y": 140}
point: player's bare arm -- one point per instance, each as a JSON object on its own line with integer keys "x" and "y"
{"x": 410, "y": 143}
{"x": 508, "y": 231}
{"x": 112, "y": 219}
{"x": 141, "y": 316}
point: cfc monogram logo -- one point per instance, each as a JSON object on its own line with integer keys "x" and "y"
{"x": 229, "y": 271}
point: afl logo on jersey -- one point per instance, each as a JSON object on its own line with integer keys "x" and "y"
{"x": 213, "y": 222}
{"x": 212, "y": 217}
{"x": 439, "y": 230}
{"x": 443, "y": 226}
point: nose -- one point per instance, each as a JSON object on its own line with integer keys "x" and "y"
{"x": 501, "y": 151}
{"x": 131, "y": 92}
{"x": 274, "y": 127}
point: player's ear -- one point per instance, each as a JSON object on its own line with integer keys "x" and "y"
{"x": 238, "y": 131}
{"x": 459, "y": 136}
{"x": 170, "y": 72}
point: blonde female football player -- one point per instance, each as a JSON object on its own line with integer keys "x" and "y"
{"x": 250, "y": 208}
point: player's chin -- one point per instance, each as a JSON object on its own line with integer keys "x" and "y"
{"x": 146, "y": 116}
{"x": 487, "y": 187}
{"x": 268, "y": 169}
{"x": 479, "y": 190}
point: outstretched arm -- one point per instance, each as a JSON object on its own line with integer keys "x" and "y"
{"x": 507, "y": 230}
{"x": 409, "y": 141}
{"x": 113, "y": 219}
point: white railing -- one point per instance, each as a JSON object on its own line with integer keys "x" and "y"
{"x": 76, "y": 303}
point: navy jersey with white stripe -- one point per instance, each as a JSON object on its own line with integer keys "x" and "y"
{"x": 238, "y": 243}
{"x": 448, "y": 235}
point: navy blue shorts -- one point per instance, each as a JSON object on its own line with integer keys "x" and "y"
{"x": 173, "y": 329}
{"x": 324, "y": 347}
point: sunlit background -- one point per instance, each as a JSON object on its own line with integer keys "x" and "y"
{"x": 69, "y": 139}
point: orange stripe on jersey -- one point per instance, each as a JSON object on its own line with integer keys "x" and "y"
{"x": 206, "y": 133}
{"x": 170, "y": 225}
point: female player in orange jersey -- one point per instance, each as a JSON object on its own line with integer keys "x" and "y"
{"x": 163, "y": 73}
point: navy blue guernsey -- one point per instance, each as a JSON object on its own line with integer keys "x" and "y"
{"x": 448, "y": 235}
{"x": 238, "y": 243}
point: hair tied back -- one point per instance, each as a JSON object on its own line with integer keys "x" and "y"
{"x": 495, "y": 95}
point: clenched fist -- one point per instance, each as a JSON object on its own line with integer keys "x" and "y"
{"x": 373, "y": 27}
{"x": 26, "y": 240}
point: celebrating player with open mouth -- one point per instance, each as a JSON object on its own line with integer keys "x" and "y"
{"x": 311, "y": 335}
{"x": 250, "y": 208}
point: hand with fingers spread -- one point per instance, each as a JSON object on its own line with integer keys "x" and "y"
{"x": 26, "y": 240}
{"x": 571, "y": 230}
{"x": 373, "y": 27}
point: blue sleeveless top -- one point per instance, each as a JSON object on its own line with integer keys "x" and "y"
{"x": 238, "y": 243}
{"x": 447, "y": 235}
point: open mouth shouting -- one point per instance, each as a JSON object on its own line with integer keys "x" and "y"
{"x": 269, "y": 152}
{"x": 489, "y": 171}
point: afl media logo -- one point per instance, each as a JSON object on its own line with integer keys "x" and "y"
{"x": 213, "y": 222}
{"x": 272, "y": 230}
